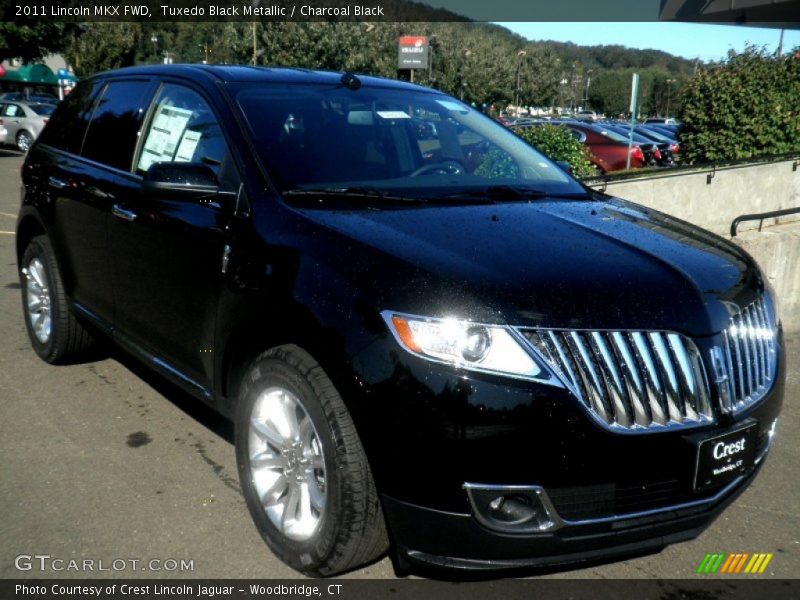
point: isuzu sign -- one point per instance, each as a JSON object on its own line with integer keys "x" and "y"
{"x": 412, "y": 52}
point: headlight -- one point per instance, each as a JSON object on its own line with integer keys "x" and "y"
{"x": 466, "y": 345}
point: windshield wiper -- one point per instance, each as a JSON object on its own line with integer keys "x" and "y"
{"x": 366, "y": 193}
{"x": 496, "y": 193}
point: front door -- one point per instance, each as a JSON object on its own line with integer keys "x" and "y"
{"x": 167, "y": 254}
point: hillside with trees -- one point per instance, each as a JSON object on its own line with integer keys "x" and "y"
{"x": 478, "y": 62}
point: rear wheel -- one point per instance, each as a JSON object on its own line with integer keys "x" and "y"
{"x": 24, "y": 141}
{"x": 303, "y": 471}
{"x": 55, "y": 334}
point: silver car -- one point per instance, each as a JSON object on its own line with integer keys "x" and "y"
{"x": 24, "y": 121}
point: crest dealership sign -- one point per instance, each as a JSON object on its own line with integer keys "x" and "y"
{"x": 412, "y": 52}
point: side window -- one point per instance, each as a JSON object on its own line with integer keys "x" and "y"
{"x": 184, "y": 129}
{"x": 115, "y": 124}
{"x": 67, "y": 125}
{"x": 12, "y": 110}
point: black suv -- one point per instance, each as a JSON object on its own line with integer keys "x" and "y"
{"x": 429, "y": 334}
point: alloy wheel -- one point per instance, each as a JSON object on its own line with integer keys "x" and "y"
{"x": 286, "y": 463}
{"x": 24, "y": 141}
{"x": 38, "y": 300}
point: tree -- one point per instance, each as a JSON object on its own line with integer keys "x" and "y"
{"x": 610, "y": 93}
{"x": 101, "y": 46}
{"x": 30, "y": 38}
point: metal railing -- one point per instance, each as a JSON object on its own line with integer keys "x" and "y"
{"x": 761, "y": 216}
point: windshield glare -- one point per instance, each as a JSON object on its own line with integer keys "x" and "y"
{"x": 418, "y": 143}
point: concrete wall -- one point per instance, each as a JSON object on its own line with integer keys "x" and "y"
{"x": 730, "y": 192}
{"x": 777, "y": 250}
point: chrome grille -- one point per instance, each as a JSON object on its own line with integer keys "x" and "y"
{"x": 630, "y": 380}
{"x": 749, "y": 357}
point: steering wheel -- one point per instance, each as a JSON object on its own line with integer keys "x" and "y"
{"x": 445, "y": 167}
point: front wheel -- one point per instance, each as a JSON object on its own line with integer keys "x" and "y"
{"x": 302, "y": 468}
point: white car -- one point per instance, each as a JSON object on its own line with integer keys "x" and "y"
{"x": 586, "y": 115}
{"x": 3, "y": 135}
{"x": 24, "y": 122}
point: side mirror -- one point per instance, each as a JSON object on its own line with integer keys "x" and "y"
{"x": 564, "y": 166}
{"x": 180, "y": 180}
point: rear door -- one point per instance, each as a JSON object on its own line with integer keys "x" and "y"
{"x": 87, "y": 189}
{"x": 167, "y": 254}
{"x": 12, "y": 115}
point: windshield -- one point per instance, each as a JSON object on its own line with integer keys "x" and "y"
{"x": 417, "y": 144}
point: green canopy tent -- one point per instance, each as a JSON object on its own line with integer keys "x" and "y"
{"x": 31, "y": 74}
{"x": 36, "y": 76}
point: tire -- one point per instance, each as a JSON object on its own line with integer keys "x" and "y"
{"x": 24, "y": 141}
{"x": 337, "y": 523}
{"x": 54, "y": 332}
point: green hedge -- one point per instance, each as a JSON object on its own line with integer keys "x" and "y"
{"x": 745, "y": 107}
{"x": 556, "y": 142}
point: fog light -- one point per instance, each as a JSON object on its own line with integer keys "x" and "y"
{"x": 520, "y": 509}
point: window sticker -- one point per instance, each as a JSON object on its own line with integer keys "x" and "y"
{"x": 165, "y": 133}
{"x": 392, "y": 114}
{"x": 187, "y": 146}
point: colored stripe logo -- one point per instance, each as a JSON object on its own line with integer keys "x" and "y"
{"x": 735, "y": 563}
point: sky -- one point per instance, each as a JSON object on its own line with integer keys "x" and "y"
{"x": 689, "y": 40}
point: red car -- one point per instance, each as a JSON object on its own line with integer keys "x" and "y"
{"x": 609, "y": 149}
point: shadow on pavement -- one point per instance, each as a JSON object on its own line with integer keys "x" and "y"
{"x": 10, "y": 153}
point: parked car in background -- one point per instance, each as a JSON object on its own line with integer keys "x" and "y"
{"x": 23, "y": 97}
{"x": 24, "y": 122}
{"x": 656, "y": 154}
{"x": 586, "y": 115}
{"x": 667, "y": 130}
{"x": 609, "y": 149}
{"x": 661, "y": 138}
{"x": 662, "y": 120}
{"x": 3, "y": 135}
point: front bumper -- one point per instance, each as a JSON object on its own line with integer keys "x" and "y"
{"x": 614, "y": 494}
{"x": 457, "y": 541}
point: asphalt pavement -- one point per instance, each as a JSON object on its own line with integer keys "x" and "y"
{"x": 105, "y": 462}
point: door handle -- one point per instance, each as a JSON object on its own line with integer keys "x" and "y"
{"x": 57, "y": 183}
{"x": 97, "y": 192}
{"x": 127, "y": 215}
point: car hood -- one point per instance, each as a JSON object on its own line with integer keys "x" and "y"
{"x": 590, "y": 264}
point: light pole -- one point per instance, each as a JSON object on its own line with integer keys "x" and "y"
{"x": 467, "y": 54}
{"x": 586, "y": 93}
{"x": 154, "y": 39}
{"x": 433, "y": 41}
{"x": 520, "y": 55}
{"x": 669, "y": 93}
{"x": 572, "y": 89}
{"x": 204, "y": 46}
{"x": 255, "y": 44}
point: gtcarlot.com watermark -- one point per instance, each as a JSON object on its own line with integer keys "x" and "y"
{"x": 46, "y": 563}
